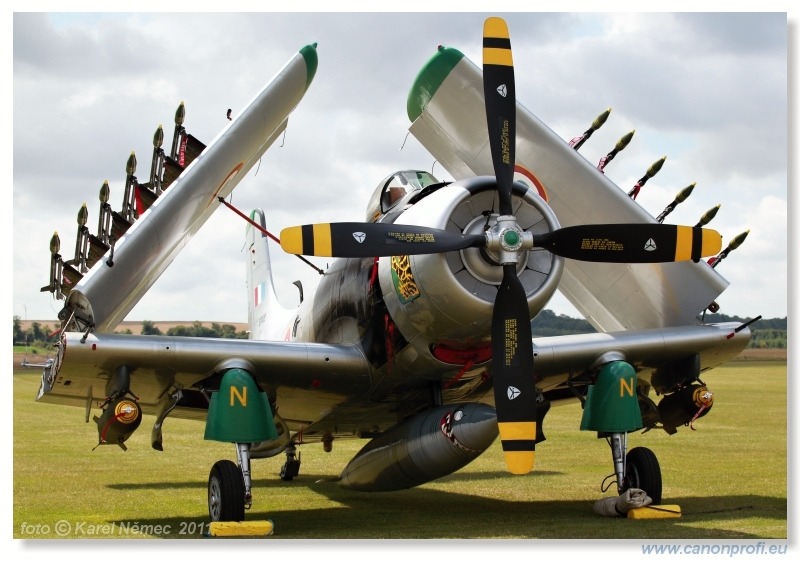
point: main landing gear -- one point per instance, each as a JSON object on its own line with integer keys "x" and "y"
{"x": 612, "y": 410}
{"x": 291, "y": 467}
{"x": 233, "y": 417}
{"x": 230, "y": 487}
{"x": 638, "y": 469}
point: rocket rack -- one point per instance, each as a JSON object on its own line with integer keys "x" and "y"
{"x": 138, "y": 197}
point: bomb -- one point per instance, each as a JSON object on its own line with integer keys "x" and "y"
{"x": 684, "y": 406}
{"x": 118, "y": 422}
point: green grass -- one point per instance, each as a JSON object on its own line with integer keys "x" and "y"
{"x": 729, "y": 477}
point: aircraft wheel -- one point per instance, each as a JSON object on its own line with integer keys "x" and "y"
{"x": 290, "y": 469}
{"x": 226, "y": 492}
{"x": 643, "y": 472}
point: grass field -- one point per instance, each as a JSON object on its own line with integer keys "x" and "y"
{"x": 729, "y": 477}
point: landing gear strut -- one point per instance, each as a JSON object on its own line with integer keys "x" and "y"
{"x": 230, "y": 487}
{"x": 637, "y": 469}
{"x": 291, "y": 467}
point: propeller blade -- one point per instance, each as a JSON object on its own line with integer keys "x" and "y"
{"x": 631, "y": 243}
{"x": 512, "y": 349}
{"x": 501, "y": 106}
{"x": 512, "y": 372}
{"x": 360, "y": 239}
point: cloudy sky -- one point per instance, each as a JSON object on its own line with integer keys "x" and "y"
{"x": 707, "y": 90}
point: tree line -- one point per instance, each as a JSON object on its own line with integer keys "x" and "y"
{"x": 197, "y": 329}
{"x": 38, "y": 335}
{"x": 767, "y": 333}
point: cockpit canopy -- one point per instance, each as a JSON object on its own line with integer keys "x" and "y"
{"x": 397, "y": 187}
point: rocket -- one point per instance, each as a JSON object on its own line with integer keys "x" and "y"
{"x": 578, "y": 141}
{"x": 81, "y": 241}
{"x": 735, "y": 242}
{"x": 682, "y": 196}
{"x": 707, "y": 217}
{"x": 618, "y": 147}
{"x": 55, "y": 264}
{"x": 654, "y": 168}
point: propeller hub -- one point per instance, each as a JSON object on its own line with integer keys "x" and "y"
{"x": 510, "y": 239}
{"x": 472, "y": 214}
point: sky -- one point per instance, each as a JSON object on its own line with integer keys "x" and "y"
{"x": 706, "y": 90}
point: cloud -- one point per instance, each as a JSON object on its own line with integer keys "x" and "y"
{"x": 89, "y": 89}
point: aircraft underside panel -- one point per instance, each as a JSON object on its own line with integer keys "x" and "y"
{"x": 451, "y": 125}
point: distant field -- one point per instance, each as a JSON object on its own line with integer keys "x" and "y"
{"x": 135, "y": 326}
{"x": 729, "y": 477}
{"x": 763, "y": 354}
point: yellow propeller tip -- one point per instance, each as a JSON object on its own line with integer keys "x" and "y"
{"x": 520, "y": 463}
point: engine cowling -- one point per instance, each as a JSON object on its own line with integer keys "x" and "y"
{"x": 425, "y": 447}
{"x": 449, "y": 297}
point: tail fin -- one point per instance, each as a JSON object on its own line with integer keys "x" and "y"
{"x": 267, "y": 318}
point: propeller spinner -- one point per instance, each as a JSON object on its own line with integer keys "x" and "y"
{"x": 512, "y": 347}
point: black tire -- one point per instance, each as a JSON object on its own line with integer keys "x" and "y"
{"x": 225, "y": 492}
{"x": 290, "y": 469}
{"x": 642, "y": 471}
{"x": 284, "y": 474}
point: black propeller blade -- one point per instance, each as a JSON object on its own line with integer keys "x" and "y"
{"x": 512, "y": 349}
{"x": 360, "y": 239}
{"x": 501, "y": 107}
{"x": 631, "y": 243}
{"x": 512, "y": 372}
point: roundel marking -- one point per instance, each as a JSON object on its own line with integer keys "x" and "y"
{"x": 521, "y": 173}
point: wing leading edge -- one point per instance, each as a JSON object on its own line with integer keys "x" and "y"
{"x": 648, "y": 350}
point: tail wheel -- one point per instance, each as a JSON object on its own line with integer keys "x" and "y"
{"x": 226, "y": 492}
{"x": 642, "y": 471}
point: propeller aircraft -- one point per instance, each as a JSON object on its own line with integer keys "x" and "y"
{"x": 418, "y": 337}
